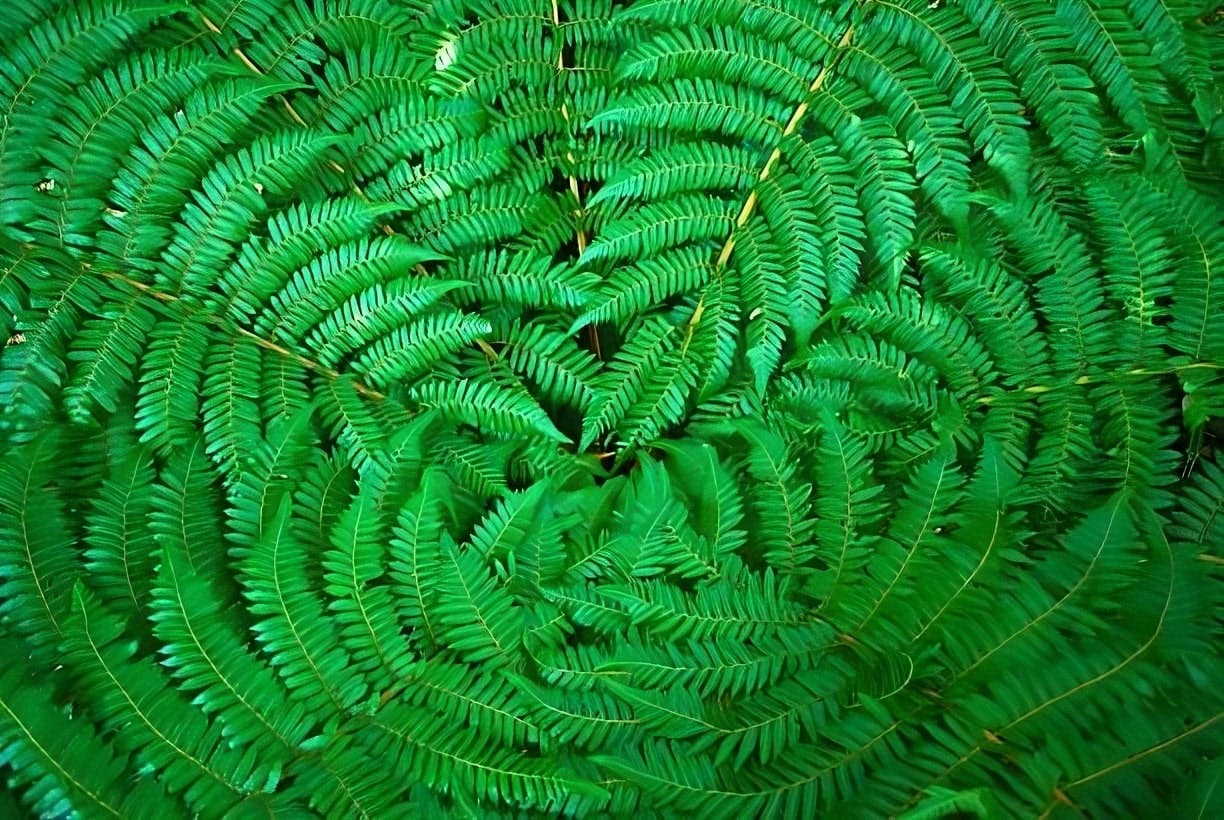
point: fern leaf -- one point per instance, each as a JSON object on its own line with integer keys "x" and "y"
{"x": 476, "y": 618}
{"x": 198, "y": 641}
{"x": 510, "y": 411}
{"x": 415, "y": 557}
{"x": 308, "y": 660}
{"x": 120, "y": 550}
{"x": 351, "y": 571}
{"x": 151, "y": 719}
{"x": 38, "y": 564}
{"x": 63, "y": 768}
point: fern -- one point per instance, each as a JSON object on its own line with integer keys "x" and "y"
{"x": 610, "y": 408}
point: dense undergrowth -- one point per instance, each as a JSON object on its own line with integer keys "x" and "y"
{"x": 718, "y": 408}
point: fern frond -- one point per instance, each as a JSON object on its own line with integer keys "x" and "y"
{"x": 198, "y": 640}
{"x": 495, "y": 774}
{"x": 363, "y": 607}
{"x": 62, "y": 767}
{"x": 57, "y": 52}
{"x": 634, "y": 408}
{"x": 678, "y": 169}
{"x": 152, "y": 720}
{"x": 977, "y": 88}
{"x": 106, "y": 351}
{"x": 38, "y": 561}
{"x": 509, "y": 411}
{"x": 281, "y": 600}
{"x": 563, "y": 373}
{"x": 1118, "y": 57}
{"x": 95, "y": 129}
{"x": 120, "y": 553}
{"x": 476, "y": 618}
{"x": 922, "y": 119}
{"x": 696, "y": 108}
{"x": 1032, "y": 45}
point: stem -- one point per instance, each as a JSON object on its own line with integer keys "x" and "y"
{"x": 267, "y": 344}
{"x": 581, "y": 236}
{"x": 750, "y": 204}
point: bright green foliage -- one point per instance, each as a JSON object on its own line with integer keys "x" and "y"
{"x": 611, "y": 408}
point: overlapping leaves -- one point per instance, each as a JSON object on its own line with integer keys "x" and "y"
{"x": 605, "y": 408}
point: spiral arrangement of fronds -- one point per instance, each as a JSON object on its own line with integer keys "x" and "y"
{"x": 611, "y": 408}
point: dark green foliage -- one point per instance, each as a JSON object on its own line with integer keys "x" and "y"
{"x": 719, "y": 408}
